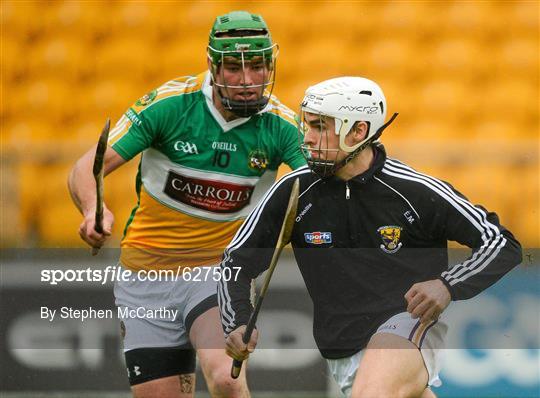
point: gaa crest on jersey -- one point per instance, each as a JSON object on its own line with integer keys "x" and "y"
{"x": 318, "y": 238}
{"x": 147, "y": 98}
{"x": 390, "y": 235}
{"x": 258, "y": 160}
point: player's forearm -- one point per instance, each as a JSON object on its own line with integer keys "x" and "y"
{"x": 488, "y": 265}
{"x": 234, "y": 299}
{"x": 82, "y": 186}
{"x": 81, "y": 182}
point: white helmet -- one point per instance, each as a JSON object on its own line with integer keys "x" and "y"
{"x": 348, "y": 100}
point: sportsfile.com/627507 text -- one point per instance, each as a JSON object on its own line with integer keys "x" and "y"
{"x": 115, "y": 273}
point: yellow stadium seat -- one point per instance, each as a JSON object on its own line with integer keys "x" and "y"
{"x": 393, "y": 57}
{"x": 86, "y": 132}
{"x": 184, "y": 20}
{"x": 515, "y": 98}
{"x": 461, "y": 57}
{"x": 521, "y": 16}
{"x": 426, "y": 130}
{"x": 19, "y": 18}
{"x": 134, "y": 15}
{"x": 291, "y": 92}
{"x": 26, "y": 132}
{"x": 331, "y": 58}
{"x": 446, "y": 100}
{"x": 197, "y": 17}
{"x": 166, "y": 21}
{"x": 275, "y": 17}
{"x": 50, "y": 213}
{"x": 46, "y": 211}
{"x": 501, "y": 184}
{"x": 90, "y": 21}
{"x": 399, "y": 92}
{"x": 14, "y": 64}
{"x": 67, "y": 15}
{"x": 526, "y": 204}
{"x": 57, "y": 219}
{"x": 59, "y": 226}
{"x": 485, "y": 182}
{"x": 29, "y": 194}
{"x": 519, "y": 55}
{"x": 125, "y": 57}
{"x": 457, "y": 72}
{"x": 504, "y": 128}
{"x": 182, "y": 57}
{"x": 74, "y": 18}
{"x": 12, "y": 232}
{"x": 400, "y": 20}
{"x": 345, "y": 18}
{"x": 48, "y": 99}
{"x": 145, "y": 21}
{"x": 464, "y": 18}
{"x": 110, "y": 97}
{"x": 54, "y": 216}
{"x": 61, "y": 56}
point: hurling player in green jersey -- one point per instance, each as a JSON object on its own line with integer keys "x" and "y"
{"x": 206, "y": 142}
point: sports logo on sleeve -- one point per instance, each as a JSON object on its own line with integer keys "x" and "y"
{"x": 318, "y": 238}
{"x": 390, "y": 235}
{"x": 132, "y": 115}
{"x": 147, "y": 98}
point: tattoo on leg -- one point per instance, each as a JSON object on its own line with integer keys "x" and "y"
{"x": 186, "y": 383}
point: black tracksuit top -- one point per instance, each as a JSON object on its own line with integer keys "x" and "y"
{"x": 361, "y": 244}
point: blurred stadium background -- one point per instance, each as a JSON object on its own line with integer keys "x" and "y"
{"x": 464, "y": 76}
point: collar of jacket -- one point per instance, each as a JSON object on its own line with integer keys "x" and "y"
{"x": 376, "y": 165}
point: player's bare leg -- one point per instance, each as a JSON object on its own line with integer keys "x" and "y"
{"x": 180, "y": 386}
{"x": 206, "y": 335}
{"x": 392, "y": 366}
{"x": 428, "y": 394}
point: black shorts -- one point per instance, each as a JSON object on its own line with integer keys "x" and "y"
{"x": 146, "y": 364}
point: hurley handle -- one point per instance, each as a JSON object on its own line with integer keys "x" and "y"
{"x": 236, "y": 368}
{"x": 237, "y": 364}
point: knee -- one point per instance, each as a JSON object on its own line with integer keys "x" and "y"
{"x": 222, "y": 385}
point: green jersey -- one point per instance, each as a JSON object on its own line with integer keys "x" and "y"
{"x": 199, "y": 175}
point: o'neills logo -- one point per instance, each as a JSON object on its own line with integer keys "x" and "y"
{"x": 215, "y": 196}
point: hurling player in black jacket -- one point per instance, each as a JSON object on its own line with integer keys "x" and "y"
{"x": 370, "y": 239}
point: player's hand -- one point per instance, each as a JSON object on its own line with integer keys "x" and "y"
{"x": 427, "y": 300}
{"x": 236, "y": 348}
{"x": 87, "y": 231}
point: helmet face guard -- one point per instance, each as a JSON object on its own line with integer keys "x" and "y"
{"x": 325, "y": 164}
{"x": 320, "y": 159}
{"x": 263, "y": 59}
{"x": 242, "y": 38}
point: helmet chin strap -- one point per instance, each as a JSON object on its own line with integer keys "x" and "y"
{"x": 243, "y": 108}
{"x": 328, "y": 171}
{"x": 369, "y": 141}
{"x": 240, "y": 108}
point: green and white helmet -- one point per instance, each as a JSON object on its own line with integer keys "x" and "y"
{"x": 244, "y": 36}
